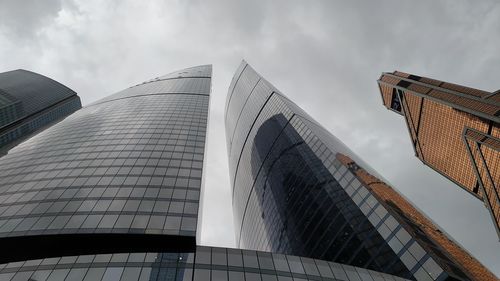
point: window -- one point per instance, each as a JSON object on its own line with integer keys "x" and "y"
{"x": 250, "y": 259}
{"x": 395, "y": 102}
{"x": 295, "y": 264}
{"x": 236, "y": 276}
{"x": 112, "y": 274}
{"x": 219, "y": 275}
{"x": 234, "y": 257}
{"x": 309, "y": 266}
{"x": 130, "y": 274}
{"x": 280, "y": 263}
{"x": 203, "y": 255}
{"x": 219, "y": 256}
{"x": 265, "y": 260}
{"x": 201, "y": 274}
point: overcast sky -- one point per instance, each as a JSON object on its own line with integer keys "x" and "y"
{"x": 325, "y": 55}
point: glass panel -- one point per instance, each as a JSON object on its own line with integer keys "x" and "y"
{"x": 145, "y": 274}
{"x": 295, "y": 264}
{"x": 384, "y": 231}
{"x": 236, "y": 276}
{"x": 6, "y": 276}
{"x": 408, "y": 259}
{"x": 422, "y": 275}
{"x": 309, "y": 266}
{"x": 417, "y": 251}
{"x": 267, "y": 277}
{"x": 22, "y": 276}
{"x": 131, "y": 273}
{"x": 250, "y": 259}
{"x": 201, "y": 274}
{"x": 391, "y": 223}
{"x": 76, "y": 274}
{"x": 338, "y": 271}
{"x": 188, "y": 224}
{"x": 234, "y": 257}
{"x": 50, "y": 261}
{"x": 119, "y": 257}
{"x": 352, "y": 275}
{"x": 395, "y": 244}
{"x": 185, "y": 274}
{"x": 250, "y": 276}
{"x": 403, "y": 236}
{"x": 85, "y": 259}
{"x": 102, "y": 258}
{"x": 324, "y": 269}
{"x": 280, "y": 262}
{"x": 64, "y": 260}
{"x": 39, "y": 275}
{"x": 265, "y": 260}
{"x": 94, "y": 274}
{"x": 364, "y": 274}
{"x": 219, "y": 275}
{"x": 58, "y": 275}
{"x": 113, "y": 274}
{"x": 219, "y": 256}
{"x": 136, "y": 257}
{"x": 432, "y": 268}
{"x": 203, "y": 255}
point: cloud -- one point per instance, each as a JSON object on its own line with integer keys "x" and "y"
{"x": 23, "y": 19}
{"x": 325, "y": 55}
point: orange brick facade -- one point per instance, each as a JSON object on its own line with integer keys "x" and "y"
{"x": 454, "y": 129}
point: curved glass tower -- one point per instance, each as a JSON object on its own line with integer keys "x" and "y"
{"x": 121, "y": 174}
{"x": 30, "y": 102}
{"x": 298, "y": 190}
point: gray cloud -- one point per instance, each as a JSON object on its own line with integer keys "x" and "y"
{"x": 24, "y": 19}
{"x": 325, "y": 55}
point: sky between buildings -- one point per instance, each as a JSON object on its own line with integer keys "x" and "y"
{"x": 324, "y": 55}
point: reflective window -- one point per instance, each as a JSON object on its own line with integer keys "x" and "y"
{"x": 280, "y": 262}
{"x": 234, "y": 257}
{"x": 432, "y": 268}
{"x": 131, "y": 274}
{"x": 250, "y": 259}
{"x": 265, "y": 260}
{"x": 236, "y": 276}
{"x": 219, "y": 256}
{"x": 201, "y": 274}
{"x": 203, "y": 255}
{"x": 310, "y": 267}
{"x": 295, "y": 264}
{"x": 112, "y": 274}
{"x": 250, "y": 276}
{"x": 219, "y": 275}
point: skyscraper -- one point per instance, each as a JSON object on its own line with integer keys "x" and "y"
{"x": 30, "y": 102}
{"x": 112, "y": 193}
{"x": 299, "y": 190}
{"x": 455, "y": 130}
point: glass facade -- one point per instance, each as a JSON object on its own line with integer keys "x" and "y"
{"x": 203, "y": 264}
{"x": 112, "y": 192}
{"x": 455, "y": 130}
{"x": 30, "y": 102}
{"x": 125, "y": 167}
{"x": 293, "y": 195}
